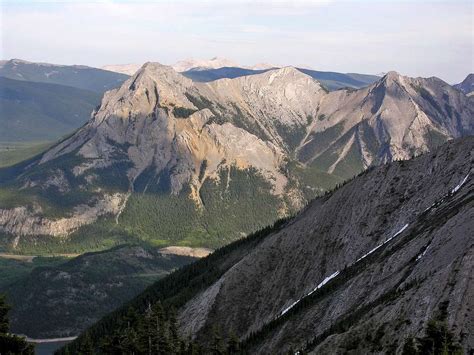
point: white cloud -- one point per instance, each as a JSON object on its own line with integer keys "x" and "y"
{"x": 416, "y": 39}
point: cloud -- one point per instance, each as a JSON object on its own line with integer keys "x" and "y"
{"x": 365, "y": 36}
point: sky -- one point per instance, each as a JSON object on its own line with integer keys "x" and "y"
{"x": 415, "y": 38}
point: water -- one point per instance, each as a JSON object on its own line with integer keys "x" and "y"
{"x": 48, "y": 348}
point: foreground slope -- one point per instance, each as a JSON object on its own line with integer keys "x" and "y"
{"x": 176, "y": 162}
{"x": 360, "y": 269}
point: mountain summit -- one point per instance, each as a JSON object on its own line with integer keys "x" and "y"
{"x": 467, "y": 85}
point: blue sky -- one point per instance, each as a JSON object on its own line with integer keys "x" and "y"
{"x": 416, "y": 38}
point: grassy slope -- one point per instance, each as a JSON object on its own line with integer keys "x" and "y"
{"x": 12, "y": 153}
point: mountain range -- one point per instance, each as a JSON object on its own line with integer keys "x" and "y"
{"x": 190, "y": 64}
{"x": 330, "y": 80}
{"x": 380, "y": 264}
{"x": 220, "y": 68}
{"x": 34, "y": 113}
{"x": 176, "y": 162}
{"x": 78, "y": 76}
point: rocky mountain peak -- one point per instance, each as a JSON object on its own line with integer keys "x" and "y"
{"x": 467, "y": 85}
{"x": 153, "y": 86}
{"x": 288, "y": 74}
{"x": 162, "y": 75}
{"x": 393, "y": 77}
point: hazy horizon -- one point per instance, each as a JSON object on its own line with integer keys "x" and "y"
{"x": 418, "y": 38}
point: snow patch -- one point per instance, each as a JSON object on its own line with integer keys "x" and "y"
{"x": 400, "y": 231}
{"x": 422, "y": 254}
{"x": 321, "y": 284}
{"x": 324, "y": 282}
{"x": 458, "y": 186}
{"x": 290, "y": 307}
{"x": 378, "y": 246}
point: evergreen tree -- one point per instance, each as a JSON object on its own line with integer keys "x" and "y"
{"x": 4, "y": 309}
{"x": 11, "y": 344}
{"x": 233, "y": 344}
{"x": 87, "y": 348}
{"x": 173, "y": 330}
{"x": 438, "y": 340}
{"x": 217, "y": 345}
{"x": 409, "y": 347}
{"x": 130, "y": 318}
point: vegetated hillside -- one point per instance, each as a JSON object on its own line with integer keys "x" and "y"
{"x": 174, "y": 162}
{"x": 467, "y": 85}
{"x": 31, "y": 111}
{"x": 78, "y": 76}
{"x": 381, "y": 260}
{"x": 63, "y": 299}
{"x": 331, "y": 80}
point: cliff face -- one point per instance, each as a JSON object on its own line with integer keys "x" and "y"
{"x": 160, "y": 134}
{"x": 381, "y": 255}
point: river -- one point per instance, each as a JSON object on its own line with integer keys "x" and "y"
{"x": 49, "y": 346}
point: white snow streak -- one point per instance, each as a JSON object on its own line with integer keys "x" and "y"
{"x": 458, "y": 186}
{"x": 324, "y": 282}
{"x": 321, "y": 284}
{"x": 400, "y": 231}
{"x": 290, "y": 307}
{"x": 378, "y": 246}
{"x": 422, "y": 254}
